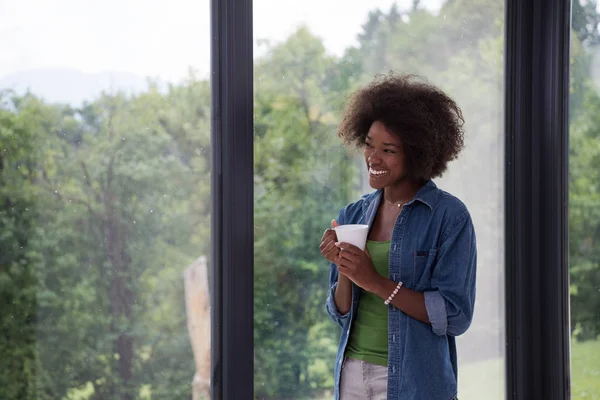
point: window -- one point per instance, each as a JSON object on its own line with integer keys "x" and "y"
{"x": 110, "y": 202}
{"x": 104, "y": 199}
{"x": 309, "y": 57}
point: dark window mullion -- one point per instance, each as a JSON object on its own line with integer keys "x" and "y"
{"x": 232, "y": 207}
{"x": 536, "y": 124}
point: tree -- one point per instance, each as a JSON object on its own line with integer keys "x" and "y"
{"x": 117, "y": 182}
{"x": 584, "y": 21}
{"x": 18, "y": 212}
{"x": 584, "y": 221}
{"x": 302, "y": 178}
{"x": 584, "y": 158}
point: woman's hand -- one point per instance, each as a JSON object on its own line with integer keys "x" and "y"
{"x": 328, "y": 248}
{"x": 357, "y": 265}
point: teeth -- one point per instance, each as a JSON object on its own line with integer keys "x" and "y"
{"x": 376, "y": 172}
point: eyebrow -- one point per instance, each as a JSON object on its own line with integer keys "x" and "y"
{"x": 385, "y": 144}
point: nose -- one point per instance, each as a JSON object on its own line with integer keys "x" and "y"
{"x": 374, "y": 157}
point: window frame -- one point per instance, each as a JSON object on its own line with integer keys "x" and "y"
{"x": 537, "y": 44}
{"x": 232, "y": 200}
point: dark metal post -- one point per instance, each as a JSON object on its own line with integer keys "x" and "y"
{"x": 232, "y": 247}
{"x": 537, "y": 280}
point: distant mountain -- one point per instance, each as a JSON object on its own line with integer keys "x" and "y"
{"x": 71, "y": 86}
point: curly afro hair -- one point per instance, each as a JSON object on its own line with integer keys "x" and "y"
{"x": 428, "y": 122}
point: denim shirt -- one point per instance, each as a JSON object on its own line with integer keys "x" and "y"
{"x": 432, "y": 251}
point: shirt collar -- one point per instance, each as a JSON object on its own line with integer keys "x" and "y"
{"x": 427, "y": 194}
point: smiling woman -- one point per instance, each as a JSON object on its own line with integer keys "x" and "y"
{"x": 405, "y": 298}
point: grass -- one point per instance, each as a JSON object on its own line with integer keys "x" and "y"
{"x": 585, "y": 370}
{"x": 487, "y": 377}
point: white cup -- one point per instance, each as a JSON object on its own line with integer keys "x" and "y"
{"x": 355, "y": 234}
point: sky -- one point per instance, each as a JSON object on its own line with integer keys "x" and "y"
{"x": 158, "y": 38}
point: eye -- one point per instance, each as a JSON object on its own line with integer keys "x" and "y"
{"x": 368, "y": 144}
{"x": 390, "y": 151}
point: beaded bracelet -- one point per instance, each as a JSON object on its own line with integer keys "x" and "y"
{"x": 389, "y": 299}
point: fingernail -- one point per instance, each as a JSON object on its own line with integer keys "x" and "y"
{"x": 337, "y": 244}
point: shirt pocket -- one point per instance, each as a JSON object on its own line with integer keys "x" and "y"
{"x": 423, "y": 263}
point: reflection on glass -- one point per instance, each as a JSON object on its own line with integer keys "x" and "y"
{"x": 584, "y": 215}
{"x": 104, "y": 191}
{"x": 309, "y": 59}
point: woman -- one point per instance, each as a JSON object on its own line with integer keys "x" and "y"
{"x": 402, "y": 301}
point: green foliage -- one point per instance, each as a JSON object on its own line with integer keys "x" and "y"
{"x": 301, "y": 178}
{"x": 585, "y": 20}
{"x": 584, "y": 219}
{"x": 114, "y": 222}
{"x": 584, "y": 164}
{"x": 18, "y": 211}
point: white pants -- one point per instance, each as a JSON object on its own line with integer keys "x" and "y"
{"x": 361, "y": 380}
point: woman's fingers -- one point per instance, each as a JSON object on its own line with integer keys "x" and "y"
{"x": 327, "y": 233}
{"x": 343, "y": 270}
{"x": 326, "y": 241}
{"x": 330, "y": 249}
{"x": 347, "y": 255}
{"x": 349, "y": 247}
{"x": 332, "y": 257}
{"x": 331, "y": 252}
{"x": 347, "y": 259}
{"x": 323, "y": 244}
{"x": 328, "y": 245}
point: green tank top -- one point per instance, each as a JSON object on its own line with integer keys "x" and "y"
{"x": 368, "y": 339}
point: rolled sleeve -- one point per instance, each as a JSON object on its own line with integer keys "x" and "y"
{"x": 451, "y": 302}
{"x": 332, "y": 309}
{"x": 436, "y": 311}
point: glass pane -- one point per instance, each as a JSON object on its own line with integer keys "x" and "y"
{"x": 310, "y": 56}
{"x": 104, "y": 199}
{"x": 584, "y": 215}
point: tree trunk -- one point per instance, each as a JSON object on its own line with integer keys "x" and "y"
{"x": 121, "y": 299}
{"x": 197, "y": 302}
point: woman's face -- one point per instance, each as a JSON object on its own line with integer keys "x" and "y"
{"x": 384, "y": 155}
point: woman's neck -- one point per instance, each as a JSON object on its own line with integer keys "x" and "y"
{"x": 401, "y": 192}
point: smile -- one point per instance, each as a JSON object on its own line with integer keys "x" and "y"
{"x": 378, "y": 173}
